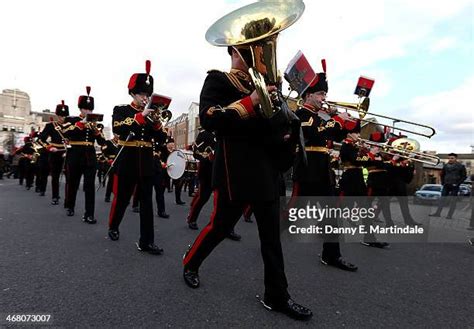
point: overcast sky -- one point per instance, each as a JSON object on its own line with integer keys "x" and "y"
{"x": 419, "y": 53}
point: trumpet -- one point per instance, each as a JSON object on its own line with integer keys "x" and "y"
{"x": 161, "y": 114}
{"x": 362, "y": 109}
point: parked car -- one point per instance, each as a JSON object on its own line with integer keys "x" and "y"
{"x": 428, "y": 193}
{"x": 464, "y": 190}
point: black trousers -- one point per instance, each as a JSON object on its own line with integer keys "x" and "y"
{"x": 159, "y": 186}
{"x": 378, "y": 186}
{"x": 43, "y": 172}
{"x": 203, "y": 194}
{"x": 123, "y": 188}
{"x": 450, "y": 191}
{"x": 75, "y": 169}
{"x": 56, "y": 161}
{"x": 110, "y": 183}
{"x": 30, "y": 170}
{"x": 225, "y": 215}
{"x": 331, "y": 247}
{"x": 178, "y": 186}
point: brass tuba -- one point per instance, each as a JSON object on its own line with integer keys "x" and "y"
{"x": 253, "y": 31}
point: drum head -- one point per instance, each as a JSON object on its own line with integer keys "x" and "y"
{"x": 176, "y": 164}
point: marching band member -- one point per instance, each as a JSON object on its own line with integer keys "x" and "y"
{"x": 81, "y": 157}
{"x": 56, "y": 149}
{"x": 352, "y": 182}
{"x": 134, "y": 167}
{"x": 203, "y": 150}
{"x": 314, "y": 178}
{"x": 25, "y": 167}
{"x": 109, "y": 151}
{"x": 160, "y": 177}
{"x": 229, "y": 107}
{"x": 400, "y": 173}
{"x": 378, "y": 177}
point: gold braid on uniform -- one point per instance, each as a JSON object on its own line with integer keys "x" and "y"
{"x": 236, "y": 83}
{"x": 128, "y": 121}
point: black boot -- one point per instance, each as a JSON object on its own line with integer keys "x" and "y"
{"x": 290, "y": 308}
{"x": 191, "y": 278}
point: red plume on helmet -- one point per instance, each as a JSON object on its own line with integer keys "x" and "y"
{"x": 147, "y": 70}
{"x": 323, "y": 64}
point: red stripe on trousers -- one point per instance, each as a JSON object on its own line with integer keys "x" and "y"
{"x": 114, "y": 202}
{"x": 204, "y": 232}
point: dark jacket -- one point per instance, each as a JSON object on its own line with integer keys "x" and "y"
{"x": 453, "y": 174}
{"x": 245, "y": 164}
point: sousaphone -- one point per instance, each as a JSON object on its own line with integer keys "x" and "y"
{"x": 253, "y": 30}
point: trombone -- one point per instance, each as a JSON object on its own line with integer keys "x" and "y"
{"x": 407, "y": 148}
{"x": 362, "y": 109}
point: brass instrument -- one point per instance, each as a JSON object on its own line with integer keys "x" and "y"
{"x": 38, "y": 147}
{"x": 161, "y": 114}
{"x": 362, "y": 109}
{"x": 407, "y": 148}
{"x": 252, "y": 31}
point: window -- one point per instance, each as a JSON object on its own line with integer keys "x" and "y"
{"x": 5, "y": 128}
{"x": 12, "y": 128}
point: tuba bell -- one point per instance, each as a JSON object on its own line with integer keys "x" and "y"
{"x": 253, "y": 31}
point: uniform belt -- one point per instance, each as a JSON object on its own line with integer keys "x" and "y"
{"x": 73, "y": 143}
{"x": 376, "y": 170}
{"x": 352, "y": 167}
{"x": 321, "y": 149}
{"x": 111, "y": 156}
{"x": 135, "y": 143}
{"x": 56, "y": 145}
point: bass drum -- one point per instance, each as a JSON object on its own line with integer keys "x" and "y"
{"x": 175, "y": 164}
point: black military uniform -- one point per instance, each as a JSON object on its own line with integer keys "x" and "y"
{"x": 56, "y": 151}
{"x": 25, "y": 166}
{"x": 109, "y": 152}
{"x": 134, "y": 167}
{"x": 313, "y": 178}
{"x": 352, "y": 183}
{"x": 378, "y": 179}
{"x": 81, "y": 159}
{"x": 244, "y": 172}
{"x": 400, "y": 173}
{"x": 160, "y": 155}
{"x": 203, "y": 151}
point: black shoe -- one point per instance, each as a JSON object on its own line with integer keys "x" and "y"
{"x": 136, "y": 209}
{"x": 193, "y": 226}
{"x": 150, "y": 248}
{"x": 55, "y": 201}
{"x": 380, "y": 245}
{"x": 114, "y": 235}
{"x": 290, "y": 308}
{"x": 70, "y": 212}
{"x": 471, "y": 241}
{"x": 340, "y": 263}
{"x": 89, "y": 219}
{"x": 436, "y": 214}
{"x": 191, "y": 278}
{"x": 163, "y": 215}
{"x": 107, "y": 199}
{"x": 234, "y": 236}
{"x": 413, "y": 223}
{"x": 470, "y": 228}
{"x": 180, "y": 203}
{"x": 42, "y": 193}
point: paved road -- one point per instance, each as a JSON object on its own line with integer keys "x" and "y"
{"x": 53, "y": 264}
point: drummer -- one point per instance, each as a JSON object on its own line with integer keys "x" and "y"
{"x": 175, "y": 171}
